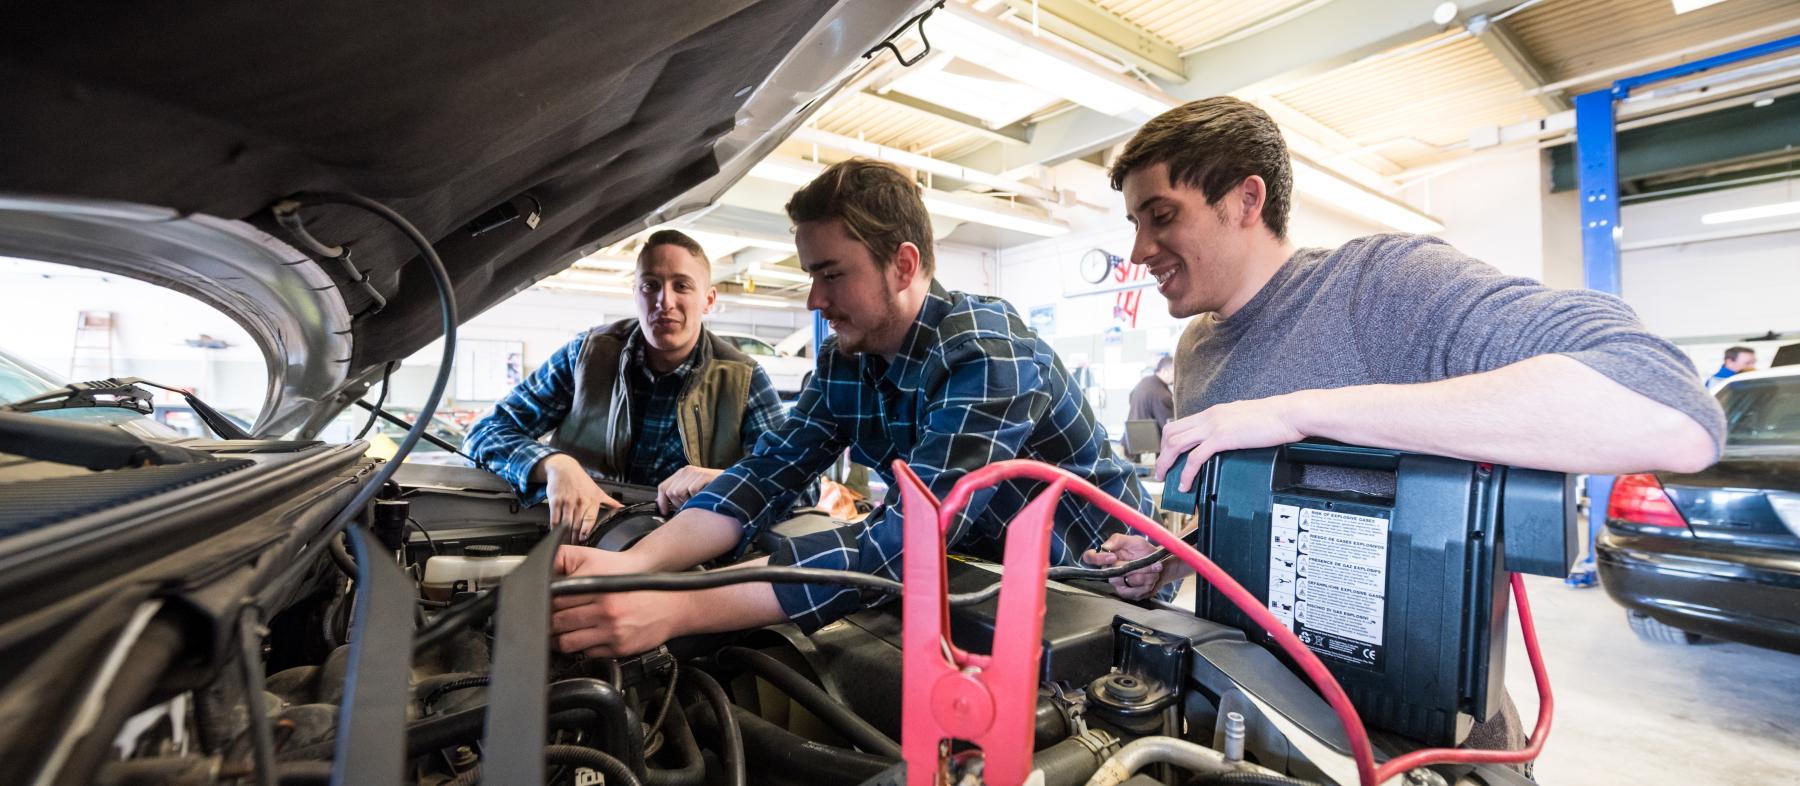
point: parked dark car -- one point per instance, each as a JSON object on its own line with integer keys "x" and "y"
{"x": 1717, "y": 553}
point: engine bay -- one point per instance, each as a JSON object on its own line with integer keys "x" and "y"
{"x": 1126, "y": 692}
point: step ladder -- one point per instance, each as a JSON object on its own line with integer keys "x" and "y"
{"x": 92, "y": 356}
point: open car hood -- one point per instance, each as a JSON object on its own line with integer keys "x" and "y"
{"x": 151, "y": 141}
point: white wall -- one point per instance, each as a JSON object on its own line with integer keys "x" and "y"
{"x": 1686, "y": 278}
{"x": 1492, "y": 209}
{"x": 965, "y": 268}
{"x": 152, "y": 324}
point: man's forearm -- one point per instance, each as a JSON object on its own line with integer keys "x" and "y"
{"x": 1549, "y": 412}
{"x": 732, "y": 607}
{"x": 688, "y": 539}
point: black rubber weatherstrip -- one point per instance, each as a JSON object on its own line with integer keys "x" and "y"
{"x": 516, "y": 716}
{"x": 371, "y": 741}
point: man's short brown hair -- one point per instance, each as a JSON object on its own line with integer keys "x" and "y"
{"x": 1734, "y": 352}
{"x": 678, "y": 239}
{"x": 881, "y": 207}
{"x": 1212, "y": 145}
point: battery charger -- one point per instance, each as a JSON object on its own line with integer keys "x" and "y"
{"x": 1391, "y": 566}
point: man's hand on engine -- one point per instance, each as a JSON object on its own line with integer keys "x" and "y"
{"x": 610, "y": 625}
{"x": 680, "y": 487}
{"x": 1121, "y": 547}
{"x": 574, "y": 498}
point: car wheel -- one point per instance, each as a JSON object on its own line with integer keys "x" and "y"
{"x": 1649, "y": 629}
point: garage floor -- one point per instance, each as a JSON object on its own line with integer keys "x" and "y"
{"x": 1628, "y": 711}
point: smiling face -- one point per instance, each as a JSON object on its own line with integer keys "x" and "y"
{"x": 1198, "y": 253}
{"x": 860, "y": 297}
{"x": 674, "y": 290}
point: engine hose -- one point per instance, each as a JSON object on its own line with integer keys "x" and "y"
{"x": 1074, "y": 760}
{"x": 782, "y": 757}
{"x": 681, "y": 739}
{"x": 612, "y": 721}
{"x": 340, "y": 556}
{"x": 859, "y": 732}
{"x": 1158, "y": 750}
{"x": 1251, "y": 778}
{"x": 731, "y": 738}
{"x": 451, "y": 687}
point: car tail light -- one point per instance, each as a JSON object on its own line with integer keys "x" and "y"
{"x": 1640, "y": 499}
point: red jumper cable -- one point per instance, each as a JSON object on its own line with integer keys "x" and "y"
{"x": 989, "y": 700}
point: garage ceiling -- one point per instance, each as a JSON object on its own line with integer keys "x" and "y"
{"x": 1372, "y": 89}
{"x": 1571, "y": 38}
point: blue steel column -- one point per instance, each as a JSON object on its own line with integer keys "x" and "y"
{"x": 1596, "y": 157}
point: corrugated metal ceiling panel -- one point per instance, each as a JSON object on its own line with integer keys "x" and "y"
{"x": 887, "y": 123}
{"x": 1570, "y": 38}
{"x": 1417, "y": 100}
{"x": 1188, "y": 24}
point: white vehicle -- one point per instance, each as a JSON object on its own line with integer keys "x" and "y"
{"x": 787, "y": 372}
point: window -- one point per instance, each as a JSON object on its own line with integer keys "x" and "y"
{"x": 1762, "y": 412}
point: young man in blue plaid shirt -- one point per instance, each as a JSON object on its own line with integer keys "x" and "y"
{"x": 655, "y": 401}
{"x": 945, "y": 381}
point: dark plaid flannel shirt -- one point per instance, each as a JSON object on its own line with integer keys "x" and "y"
{"x": 972, "y": 385}
{"x": 505, "y": 442}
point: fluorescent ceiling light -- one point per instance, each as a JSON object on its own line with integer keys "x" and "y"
{"x": 1445, "y": 13}
{"x": 1321, "y": 184}
{"x": 982, "y": 41}
{"x": 1752, "y": 213}
{"x": 787, "y": 170}
{"x": 777, "y": 274}
{"x": 1684, "y": 6}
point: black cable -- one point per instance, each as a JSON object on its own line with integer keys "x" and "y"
{"x": 340, "y": 556}
{"x": 662, "y": 712}
{"x": 262, "y": 733}
{"x": 451, "y": 686}
{"x": 387, "y": 372}
{"x": 462, "y": 615}
{"x": 731, "y": 738}
{"x": 288, "y": 213}
{"x": 429, "y": 543}
{"x": 1065, "y": 573}
{"x": 481, "y": 607}
{"x": 692, "y": 768}
{"x": 859, "y": 732}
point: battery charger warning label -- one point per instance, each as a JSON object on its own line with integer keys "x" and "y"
{"x": 1328, "y": 580}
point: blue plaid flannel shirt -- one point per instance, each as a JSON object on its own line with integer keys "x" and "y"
{"x": 505, "y": 442}
{"x": 972, "y": 385}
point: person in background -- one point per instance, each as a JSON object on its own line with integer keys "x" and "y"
{"x": 1153, "y": 399}
{"x": 652, "y": 401}
{"x": 1737, "y": 361}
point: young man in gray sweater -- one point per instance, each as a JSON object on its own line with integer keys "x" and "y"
{"x": 1393, "y": 341}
